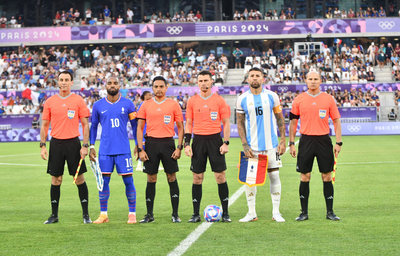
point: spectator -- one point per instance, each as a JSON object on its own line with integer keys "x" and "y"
{"x": 120, "y": 20}
{"x": 392, "y": 116}
{"x": 77, "y": 15}
{"x": 107, "y": 14}
{"x": 88, "y": 15}
{"x": 92, "y": 21}
{"x": 129, "y": 15}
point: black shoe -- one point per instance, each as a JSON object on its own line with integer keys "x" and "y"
{"x": 175, "y": 218}
{"x": 226, "y": 218}
{"x": 86, "y": 219}
{"x": 52, "y": 219}
{"x": 331, "y": 216}
{"x": 195, "y": 218}
{"x": 147, "y": 218}
{"x": 302, "y": 216}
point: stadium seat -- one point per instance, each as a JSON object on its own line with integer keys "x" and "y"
{"x": 249, "y": 59}
{"x": 273, "y": 59}
{"x": 297, "y": 64}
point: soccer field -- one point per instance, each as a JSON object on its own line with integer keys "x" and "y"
{"x": 366, "y": 198}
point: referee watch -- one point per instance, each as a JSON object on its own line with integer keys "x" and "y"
{"x": 180, "y": 147}
{"x": 226, "y": 142}
{"x": 139, "y": 150}
{"x": 339, "y": 143}
{"x": 42, "y": 144}
{"x": 85, "y": 145}
{"x": 291, "y": 143}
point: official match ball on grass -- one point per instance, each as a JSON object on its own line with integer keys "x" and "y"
{"x": 212, "y": 213}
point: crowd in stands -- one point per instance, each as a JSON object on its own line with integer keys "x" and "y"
{"x": 336, "y": 64}
{"x": 75, "y": 17}
{"x": 352, "y": 98}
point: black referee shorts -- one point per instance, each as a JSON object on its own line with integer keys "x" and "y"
{"x": 315, "y": 146}
{"x": 160, "y": 149}
{"x": 61, "y": 150}
{"x": 207, "y": 146}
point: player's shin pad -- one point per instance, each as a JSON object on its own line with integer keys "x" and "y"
{"x": 97, "y": 174}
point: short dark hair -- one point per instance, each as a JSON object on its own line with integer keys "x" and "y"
{"x": 255, "y": 69}
{"x": 66, "y": 72}
{"x": 205, "y": 73}
{"x": 144, "y": 94}
{"x": 161, "y": 79}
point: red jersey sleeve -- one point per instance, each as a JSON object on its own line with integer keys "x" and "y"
{"x": 83, "y": 109}
{"x": 225, "y": 110}
{"x": 295, "y": 107}
{"x": 334, "y": 111}
{"x": 189, "y": 108}
{"x": 178, "y": 116}
{"x": 46, "y": 111}
{"x": 142, "y": 111}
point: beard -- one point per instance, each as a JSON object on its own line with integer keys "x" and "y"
{"x": 113, "y": 93}
{"x": 255, "y": 85}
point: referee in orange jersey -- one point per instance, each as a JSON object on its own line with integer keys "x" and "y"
{"x": 64, "y": 110}
{"x": 204, "y": 114}
{"x": 160, "y": 114}
{"x": 314, "y": 108}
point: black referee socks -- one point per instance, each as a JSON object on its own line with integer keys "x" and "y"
{"x": 197, "y": 192}
{"x": 224, "y": 196}
{"x": 174, "y": 192}
{"x": 150, "y": 194}
{"x": 304, "y": 192}
{"x": 55, "y": 199}
{"x": 84, "y": 197}
{"x": 328, "y": 194}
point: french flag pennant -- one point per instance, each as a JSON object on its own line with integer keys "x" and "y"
{"x": 252, "y": 171}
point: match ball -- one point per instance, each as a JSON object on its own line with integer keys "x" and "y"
{"x": 212, "y": 213}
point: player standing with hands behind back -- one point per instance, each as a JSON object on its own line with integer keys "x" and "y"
{"x": 160, "y": 114}
{"x": 314, "y": 109}
{"x": 204, "y": 114}
{"x": 258, "y": 113}
{"x": 114, "y": 112}
{"x": 64, "y": 110}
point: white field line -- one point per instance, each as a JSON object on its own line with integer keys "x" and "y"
{"x": 23, "y": 164}
{"x": 21, "y": 155}
{"x": 192, "y": 237}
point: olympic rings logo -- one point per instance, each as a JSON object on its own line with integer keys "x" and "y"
{"x": 387, "y": 24}
{"x": 174, "y": 30}
{"x": 283, "y": 88}
{"x": 354, "y": 128}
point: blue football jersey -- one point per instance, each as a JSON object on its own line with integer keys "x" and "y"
{"x": 113, "y": 118}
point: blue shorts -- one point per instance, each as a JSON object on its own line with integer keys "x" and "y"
{"x": 123, "y": 163}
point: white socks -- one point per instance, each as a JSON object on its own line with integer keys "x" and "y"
{"x": 251, "y": 199}
{"x": 275, "y": 190}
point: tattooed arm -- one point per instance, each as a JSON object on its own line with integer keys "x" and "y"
{"x": 280, "y": 120}
{"x": 242, "y": 134}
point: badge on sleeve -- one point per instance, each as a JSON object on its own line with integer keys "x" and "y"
{"x": 322, "y": 113}
{"x": 71, "y": 114}
{"x": 214, "y": 116}
{"x": 167, "y": 119}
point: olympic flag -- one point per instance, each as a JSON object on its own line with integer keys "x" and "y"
{"x": 252, "y": 171}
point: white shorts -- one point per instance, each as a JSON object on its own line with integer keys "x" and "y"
{"x": 274, "y": 159}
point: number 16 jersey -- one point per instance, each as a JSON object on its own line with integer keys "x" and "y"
{"x": 260, "y": 121}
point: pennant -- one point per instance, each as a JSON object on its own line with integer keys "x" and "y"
{"x": 252, "y": 171}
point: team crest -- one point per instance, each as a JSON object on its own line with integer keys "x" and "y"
{"x": 322, "y": 113}
{"x": 167, "y": 119}
{"x": 71, "y": 114}
{"x": 214, "y": 116}
{"x": 122, "y": 111}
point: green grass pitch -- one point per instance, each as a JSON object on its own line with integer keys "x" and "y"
{"x": 366, "y": 198}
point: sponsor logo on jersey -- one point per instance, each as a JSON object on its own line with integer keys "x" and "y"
{"x": 71, "y": 114}
{"x": 214, "y": 116}
{"x": 167, "y": 119}
{"x": 322, "y": 113}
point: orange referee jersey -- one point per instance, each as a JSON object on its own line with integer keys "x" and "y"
{"x": 160, "y": 117}
{"x": 314, "y": 112}
{"x": 207, "y": 113}
{"x": 64, "y": 115}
